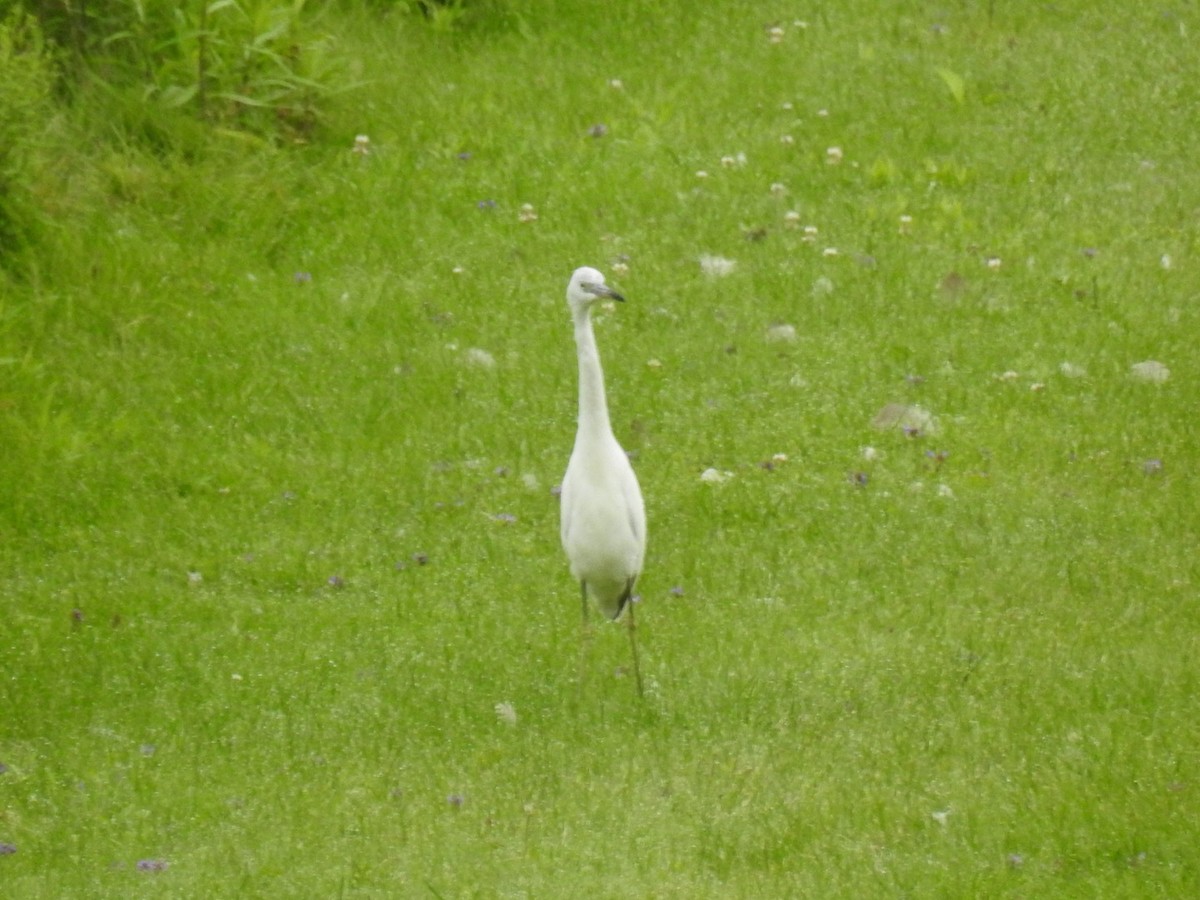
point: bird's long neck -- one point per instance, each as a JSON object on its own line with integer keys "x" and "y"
{"x": 593, "y": 408}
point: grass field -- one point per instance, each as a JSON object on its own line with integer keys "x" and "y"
{"x": 285, "y": 612}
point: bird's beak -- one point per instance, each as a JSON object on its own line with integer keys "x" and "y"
{"x": 602, "y": 290}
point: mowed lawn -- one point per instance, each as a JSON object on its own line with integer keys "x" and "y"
{"x": 906, "y": 370}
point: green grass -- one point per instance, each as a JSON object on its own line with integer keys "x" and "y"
{"x": 273, "y": 548}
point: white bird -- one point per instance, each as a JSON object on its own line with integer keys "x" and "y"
{"x": 603, "y": 526}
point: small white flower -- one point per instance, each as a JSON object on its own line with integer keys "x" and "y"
{"x": 458, "y": 270}
{"x": 620, "y": 268}
{"x": 775, "y": 35}
{"x": 781, "y": 333}
{"x": 1150, "y": 371}
{"x": 1165, "y": 261}
{"x": 616, "y": 84}
{"x": 530, "y": 481}
{"x": 194, "y": 578}
{"x": 478, "y": 358}
{"x": 362, "y": 145}
{"x": 822, "y": 113}
{"x": 506, "y": 713}
{"x": 830, "y": 251}
{"x": 941, "y": 816}
{"x": 786, "y": 106}
{"x": 714, "y": 476}
{"x": 1037, "y": 387}
{"x": 870, "y": 454}
{"x": 810, "y": 233}
{"x": 653, "y": 364}
{"x": 527, "y": 213}
{"x": 716, "y": 266}
{"x": 778, "y": 189}
{"x": 728, "y": 162}
{"x": 833, "y": 155}
{"x": 1010, "y": 375}
{"x": 993, "y": 263}
{"x": 800, "y": 23}
{"x": 944, "y": 490}
{"x": 791, "y": 219}
{"x": 779, "y": 458}
{"x": 822, "y": 286}
{"x": 701, "y": 174}
{"x": 1070, "y": 370}
{"x": 905, "y": 224}
{"x": 787, "y": 140}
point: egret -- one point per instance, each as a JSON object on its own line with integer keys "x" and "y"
{"x": 603, "y": 525}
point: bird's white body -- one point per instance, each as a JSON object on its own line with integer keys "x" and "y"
{"x": 603, "y": 525}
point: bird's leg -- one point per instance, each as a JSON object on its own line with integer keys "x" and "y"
{"x": 584, "y": 633}
{"x": 637, "y": 669}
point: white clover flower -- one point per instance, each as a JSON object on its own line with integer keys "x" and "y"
{"x": 479, "y": 359}
{"x": 787, "y": 140}
{"x": 654, "y": 364}
{"x": 1165, "y": 261}
{"x": 993, "y": 263}
{"x": 1009, "y": 375}
{"x": 1150, "y": 371}
{"x": 616, "y": 84}
{"x": 833, "y": 155}
{"x": 786, "y": 106}
{"x": 830, "y": 251}
{"x": 905, "y": 224}
{"x": 870, "y": 454}
{"x": 810, "y": 233}
{"x": 527, "y": 213}
{"x": 620, "y": 268}
{"x": 781, "y": 333}
{"x": 778, "y": 189}
{"x": 506, "y": 713}
{"x": 1070, "y": 370}
{"x": 791, "y": 219}
{"x": 775, "y": 35}
{"x": 362, "y": 145}
{"x": 700, "y": 173}
{"x": 716, "y": 266}
{"x": 944, "y": 490}
{"x": 714, "y": 476}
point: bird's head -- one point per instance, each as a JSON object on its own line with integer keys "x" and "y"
{"x": 586, "y": 287}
